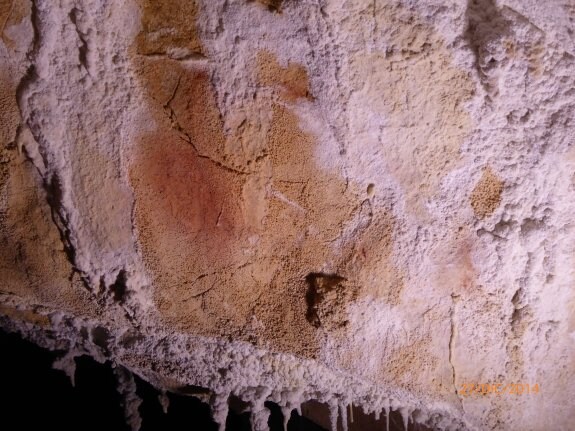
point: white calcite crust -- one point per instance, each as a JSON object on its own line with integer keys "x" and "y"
{"x": 349, "y": 201}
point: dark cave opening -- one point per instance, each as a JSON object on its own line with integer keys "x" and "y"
{"x": 35, "y": 396}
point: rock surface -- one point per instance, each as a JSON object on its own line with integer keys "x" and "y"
{"x": 349, "y": 201}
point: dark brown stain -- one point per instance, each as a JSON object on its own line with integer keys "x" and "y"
{"x": 319, "y": 287}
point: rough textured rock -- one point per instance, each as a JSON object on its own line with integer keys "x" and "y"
{"x": 365, "y": 202}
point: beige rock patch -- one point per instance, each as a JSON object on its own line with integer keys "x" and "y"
{"x": 206, "y": 257}
{"x": 230, "y": 230}
{"x": 292, "y": 79}
{"x": 27, "y": 316}
{"x": 33, "y": 262}
{"x": 415, "y": 85}
{"x": 216, "y": 270}
{"x": 12, "y": 12}
{"x": 9, "y": 112}
{"x": 486, "y": 196}
{"x": 169, "y": 26}
{"x": 187, "y": 210}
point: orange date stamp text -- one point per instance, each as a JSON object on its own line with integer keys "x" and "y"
{"x": 468, "y": 389}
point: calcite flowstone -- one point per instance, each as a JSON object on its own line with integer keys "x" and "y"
{"x": 362, "y": 203}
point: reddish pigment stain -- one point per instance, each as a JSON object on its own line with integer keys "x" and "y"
{"x": 185, "y": 196}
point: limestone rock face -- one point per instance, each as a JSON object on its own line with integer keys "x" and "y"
{"x": 350, "y": 201}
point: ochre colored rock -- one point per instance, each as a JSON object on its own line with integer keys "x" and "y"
{"x": 348, "y": 205}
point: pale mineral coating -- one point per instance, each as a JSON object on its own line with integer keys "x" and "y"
{"x": 365, "y": 202}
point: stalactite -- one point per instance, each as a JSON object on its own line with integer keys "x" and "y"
{"x": 333, "y": 413}
{"x": 351, "y": 412}
{"x": 404, "y": 411}
{"x": 67, "y": 364}
{"x": 343, "y": 411}
{"x": 164, "y": 401}
{"x": 387, "y": 408}
{"x": 286, "y": 413}
{"x": 126, "y": 386}
{"x": 219, "y": 407}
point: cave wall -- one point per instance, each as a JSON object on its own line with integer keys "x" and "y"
{"x": 354, "y": 202}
